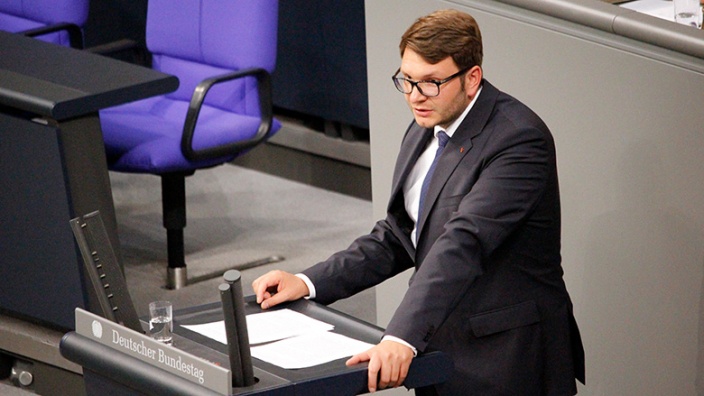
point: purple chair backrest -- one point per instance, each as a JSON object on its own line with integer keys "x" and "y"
{"x": 21, "y": 15}
{"x": 47, "y": 12}
{"x": 197, "y": 39}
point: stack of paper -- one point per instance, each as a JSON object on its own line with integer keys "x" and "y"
{"x": 289, "y": 339}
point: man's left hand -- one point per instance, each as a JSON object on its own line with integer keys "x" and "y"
{"x": 389, "y": 361}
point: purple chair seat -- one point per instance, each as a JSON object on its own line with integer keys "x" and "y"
{"x": 145, "y": 136}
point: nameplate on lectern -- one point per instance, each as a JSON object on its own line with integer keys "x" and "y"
{"x": 142, "y": 347}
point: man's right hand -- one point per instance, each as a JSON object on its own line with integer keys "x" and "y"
{"x": 276, "y": 287}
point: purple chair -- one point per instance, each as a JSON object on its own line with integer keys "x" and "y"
{"x": 223, "y": 53}
{"x": 54, "y": 21}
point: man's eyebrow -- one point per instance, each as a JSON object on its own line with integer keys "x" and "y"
{"x": 428, "y": 77}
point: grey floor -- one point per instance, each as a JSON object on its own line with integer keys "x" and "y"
{"x": 235, "y": 215}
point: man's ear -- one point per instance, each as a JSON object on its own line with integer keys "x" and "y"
{"x": 473, "y": 80}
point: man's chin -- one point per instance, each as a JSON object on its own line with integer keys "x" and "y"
{"x": 425, "y": 122}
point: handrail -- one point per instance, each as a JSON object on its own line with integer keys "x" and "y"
{"x": 621, "y": 21}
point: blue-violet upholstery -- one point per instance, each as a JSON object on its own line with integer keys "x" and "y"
{"x": 223, "y": 52}
{"x": 54, "y": 21}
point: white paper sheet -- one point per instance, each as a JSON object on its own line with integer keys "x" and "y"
{"x": 309, "y": 350}
{"x": 213, "y": 330}
{"x": 289, "y": 339}
{"x": 658, "y": 8}
{"x": 266, "y": 327}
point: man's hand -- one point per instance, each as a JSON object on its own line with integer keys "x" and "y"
{"x": 276, "y": 287}
{"x": 389, "y": 360}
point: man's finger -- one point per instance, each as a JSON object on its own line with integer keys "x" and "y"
{"x": 389, "y": 376}
{"x": 275, "y": 299}
{"x": 358, "y": 358}
{"x": 402, "y": 375}
{"x": 263, "y": 284}
{"x": 372, "y": 373}
{"x": 260, "y": 288}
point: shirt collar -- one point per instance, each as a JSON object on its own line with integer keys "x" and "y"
{"x": 456, "y": 123}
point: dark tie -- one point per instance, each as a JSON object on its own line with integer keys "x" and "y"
{"x": 442, "y": 141}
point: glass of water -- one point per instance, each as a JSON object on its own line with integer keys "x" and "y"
{"x": 161, "y": 321}
{"x": 688, "y": 12}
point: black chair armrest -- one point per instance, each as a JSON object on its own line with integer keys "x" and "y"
{"x": 75, "y": 35}
{"x": 265, "y": 108}
{"x": 139, "y": 53}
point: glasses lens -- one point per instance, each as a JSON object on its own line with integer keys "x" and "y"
{"x": 402, "y": 85}
{"x": 428, "y": 88}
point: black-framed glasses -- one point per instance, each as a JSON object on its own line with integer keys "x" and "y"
{"x": 427, "y": 88}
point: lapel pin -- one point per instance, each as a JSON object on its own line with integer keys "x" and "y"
{"x": 461, "y": 149}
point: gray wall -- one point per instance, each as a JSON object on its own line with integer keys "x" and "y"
{"x": 627, "y": 121}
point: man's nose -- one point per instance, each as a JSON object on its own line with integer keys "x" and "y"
{"x": 416, "y": 96}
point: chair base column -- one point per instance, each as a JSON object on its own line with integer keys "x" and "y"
{"x": 173, "y": 190}
{"x": 176, "y": 278}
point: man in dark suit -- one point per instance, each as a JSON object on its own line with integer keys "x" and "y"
{"x": 483, "y": 233}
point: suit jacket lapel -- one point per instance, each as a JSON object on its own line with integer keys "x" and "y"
{"x": 414, "y": 142}
{"x": 412, "y": 147}
{"x": 459, "y": 145}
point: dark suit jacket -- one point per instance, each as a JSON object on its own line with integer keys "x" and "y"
{"x": 487, "y": 287}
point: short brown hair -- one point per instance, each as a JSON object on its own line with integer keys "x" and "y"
{"x": 445, "y": 33}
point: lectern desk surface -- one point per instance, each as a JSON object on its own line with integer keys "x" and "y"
{"x": 59, "y": 82}
{"x": 330, "y": 378}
